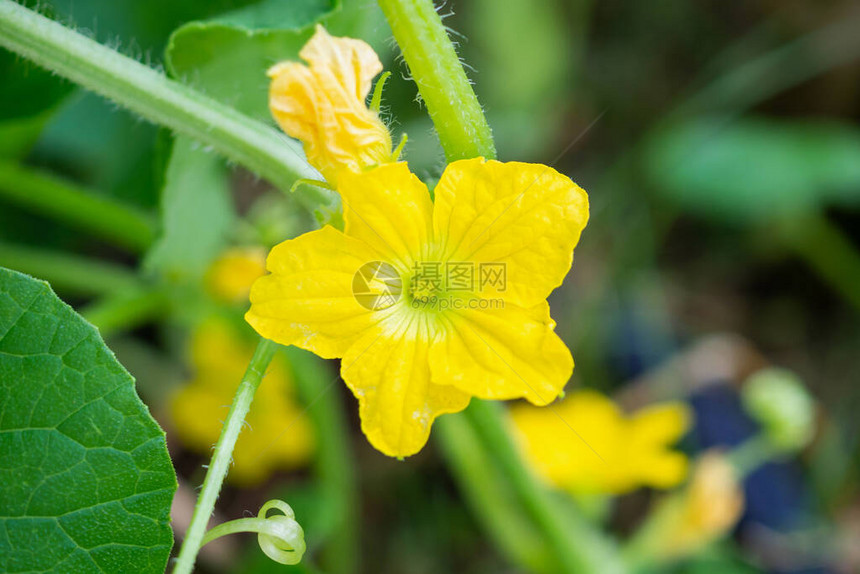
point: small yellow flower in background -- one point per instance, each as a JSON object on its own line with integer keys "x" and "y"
{"x": 392, "y": 294}
{"x": 219, "y": 357}
{"x": 612, "y": 453}
{"x": 323, "y": 104}
{"x": 230, "y": 277}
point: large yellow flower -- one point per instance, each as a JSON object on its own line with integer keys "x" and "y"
{"x": 391, "y": 294}
{"x": 588, "y": 446}
{"x": 323, "y": 104}
{"x": 219, "y": 357}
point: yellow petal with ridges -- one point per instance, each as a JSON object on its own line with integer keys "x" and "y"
{"x": 502, "y": 353}
{"x": 351, "y": 64}
{"x": 307, "y": 299}
{"x": 323, "y": 105}
{"x": 388, "y": 372}
{"x": 528, "y": 216}
{"x": 389, "y": 209}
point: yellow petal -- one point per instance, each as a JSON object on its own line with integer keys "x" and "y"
{"x": 307, "y": 300}
{"x": 389, "y": 209}
{"x": 528, "y": 216}
{"x": 661, "y": 424}
{"x": 388, "y": 372}
{"x": 502, "y": 354}
{"x": 323, "y": 105}
{"x": 571, "y": 444}
{"x": 652, "y": 431}
{"x": 352, "y": 64}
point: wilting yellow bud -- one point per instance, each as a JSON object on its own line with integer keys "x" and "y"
{"x": 231, "y": 275}
{"x": 703, "y": 512}
{"x": 323, "y": 104}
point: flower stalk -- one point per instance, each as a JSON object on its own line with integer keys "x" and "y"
{"x": 151, "y": 94}
{"x": 459, "y": 120}
{"x": 222, "y": 455}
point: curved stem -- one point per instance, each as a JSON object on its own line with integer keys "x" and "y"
{"x": 151, "y": 94}
{"x": 444, "y": 87}
{"x": 69, "y": 203}
{"x": 826, "y": 248}
{"x": 222, "y": 456}
{"x": 69, "y": 273}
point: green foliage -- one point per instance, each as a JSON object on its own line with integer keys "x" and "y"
{"x": 754, "y": 169}
{"x": 85, "y": 479}
{"x": 227, "y": 57}
{"x": 27, "y": 102}
{"x": 197, "y": 213}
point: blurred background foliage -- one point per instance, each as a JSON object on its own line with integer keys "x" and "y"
{"x": 720, "y": 146}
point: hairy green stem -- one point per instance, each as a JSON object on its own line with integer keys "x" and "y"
{"x": 442, "y": 82}
{"x": 67, "y": 272}
{"x": 151, "y": 94}
{"x": 222, "y": 456}
{"x": 76, "y": 206}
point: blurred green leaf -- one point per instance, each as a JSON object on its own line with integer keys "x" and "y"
{"x": 85, "y": 479}
{"x": 754, "y": 169}
{"x": 197, "y": 214}
{"x": 27, "y": 101}
{"x": 227, "y": 57}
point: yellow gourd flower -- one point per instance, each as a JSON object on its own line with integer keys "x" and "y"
{"x": 219, "y": 357}
{"x": 230, "y": 277}
{"x": 430, "y": 303}
{"x": 612, "y": 453}
{"x": 323, "y": 104}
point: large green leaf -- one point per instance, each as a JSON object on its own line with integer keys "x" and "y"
{"x": 753, "y": 169}
{"x": 227, "y": 57}
{"x": 85, "y": 479}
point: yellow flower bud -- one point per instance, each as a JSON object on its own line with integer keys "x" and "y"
{"x": 323, "y": 104}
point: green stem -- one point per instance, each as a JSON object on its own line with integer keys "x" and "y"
{"x": 493, "y": 504}
{"x": 828, "y": 251}
{"x": 577, "y": 546}
{"x": 69, "y": 273}
{"x": 442, "y": 82}
{"x": 66, "y": 202}
{"x": 125, "y": 310}
{"x": 152, "y": 95}
{"x": 334, "y": 465}
{"x": 222, "y": 456}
